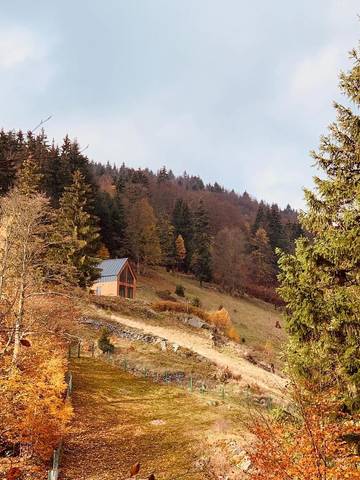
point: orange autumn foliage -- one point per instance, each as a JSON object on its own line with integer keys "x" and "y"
{"x": 314, "y": 445}
{"x": 34, "y": 412}
{"x": 219, "y": 318}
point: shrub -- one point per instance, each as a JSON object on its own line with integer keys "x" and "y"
{"x": 180, "y": 290}
{"x": 266, "y": 294}
{"x": 166, "y": 295}
{"x": 219, "y": 318}
{"x": 196, "y": 302}
{"x": 104, "y": 342}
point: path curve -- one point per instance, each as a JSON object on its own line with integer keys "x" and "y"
{"x": 249, "y": 373}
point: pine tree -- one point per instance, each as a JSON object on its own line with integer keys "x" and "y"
{"x": 162, "y": 175}
{"x": 261, "y": 260}
{"x": 183, "y": 224}
{"x": 110, "y": 212}
{"x": 8, "y": 150}
{"x": 261, "y": 219}
{"x": 320, "y": 282}
{"x": 30, "y": 177}
{"x": 143, "y": 234}
{"x": 78, "y": 229}
{"x": 201, "y": 262}
{"x": 166, "y": 237}
{"x": 180, "y": 251}
{"x": 275, "y": 230}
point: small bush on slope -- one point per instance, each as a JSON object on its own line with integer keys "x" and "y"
{"x": 220, "y": 318}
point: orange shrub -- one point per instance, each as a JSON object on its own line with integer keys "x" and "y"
{"x": 316, "y": 445}
{"x": 220, "y": 318}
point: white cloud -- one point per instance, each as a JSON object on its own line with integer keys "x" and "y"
{"x": 18, "y": 46}
{"x": 315, "y": 78}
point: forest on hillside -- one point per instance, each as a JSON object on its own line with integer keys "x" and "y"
{"x": 154, "y": 218}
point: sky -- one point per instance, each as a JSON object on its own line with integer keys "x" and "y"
{"x": 235, "y": 91}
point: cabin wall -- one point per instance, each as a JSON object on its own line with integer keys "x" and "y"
{"x": 106, "y": 288}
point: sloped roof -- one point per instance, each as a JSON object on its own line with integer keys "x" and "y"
{"x": 111, "y": 267}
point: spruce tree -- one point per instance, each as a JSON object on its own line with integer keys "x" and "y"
{"x": 79, "y": 230}
{"x": 8, "y": 150}
{"x": 183, "y": 225}
{"x": 261, "y": 259}
{"x": 275, "y": 230}
{"x": 320, "y": 282}
{"x": 30, "y": 177}
{"x": 143, "y": 235}
{"x": 166, "y": 237}
{"x": 201, "y": 262}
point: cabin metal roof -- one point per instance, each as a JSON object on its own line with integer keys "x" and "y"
{"x": 111, "y": 267}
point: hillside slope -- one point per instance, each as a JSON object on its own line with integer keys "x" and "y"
{"x": 254, "y": 320}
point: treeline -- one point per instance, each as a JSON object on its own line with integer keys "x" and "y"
{"x": 153, "y": 218}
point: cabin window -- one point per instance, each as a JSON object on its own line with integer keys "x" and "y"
{"x": 130, "y": 277}
{"x": 122, "y": 291}
{"x": 130, "y": 292}
{"x": 123, "y": 276}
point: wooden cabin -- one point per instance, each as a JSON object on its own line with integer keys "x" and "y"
{"x": 117, "y": 279}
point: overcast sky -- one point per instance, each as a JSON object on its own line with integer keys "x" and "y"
{"x": 235, "y": 91}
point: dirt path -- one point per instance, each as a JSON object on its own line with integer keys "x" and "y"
{"x": 121, "y": 420}
{"x": 250, "y": 374}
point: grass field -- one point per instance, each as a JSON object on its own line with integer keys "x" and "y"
{"x": 254, "y": 320}
{"x": 120, "y": 420}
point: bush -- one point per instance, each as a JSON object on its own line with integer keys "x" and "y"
{"x": 266, "y": 294}
{"x": 104, "y": 342}
{"x": 180, "y": 290}
{"x": 196, "y": 302}
{"x": 219, "y": 318}
{"x": 165, "y": 295}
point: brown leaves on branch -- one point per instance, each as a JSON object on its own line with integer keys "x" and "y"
{"x": 313, "y": 444}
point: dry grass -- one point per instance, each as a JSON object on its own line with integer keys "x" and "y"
{"x": 121, "y": 420}
{"x": 220, "y": 318}
{"x": 253, "y": 319}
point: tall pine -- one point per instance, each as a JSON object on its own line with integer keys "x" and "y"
{"x": 183, "y": 225}
{"x": 320, "y": 282}
{"x": 30, "y": 177}
{"x": 79, "y": 230}
{"x": 201, "y": 261}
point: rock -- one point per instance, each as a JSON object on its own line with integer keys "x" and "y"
{"x": 175, "y": 347}
{"x": 163, "y": 345}
{"x": 245, "y": 464}
{"x": 194, "y": 322}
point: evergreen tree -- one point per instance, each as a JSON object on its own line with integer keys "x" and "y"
{"x": 261, "y": 219}
{"x": 201, "y": 262}
{"x": 320, "y": 282}
{"x": 183, "y": 225}
{"x": 162, "y": 175}
{"x": 261, "y": 259}
{"x": 166, "y": 237}
{"x": 110, "y": 212}
{"x": 104, "y": 342}
{"x": 30, "y": 177}
{"x": 276, "y": 232}
{"x": 9, "y": 147}
{"x": 143, "y": 234}
{"x": 78, "y": 229}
